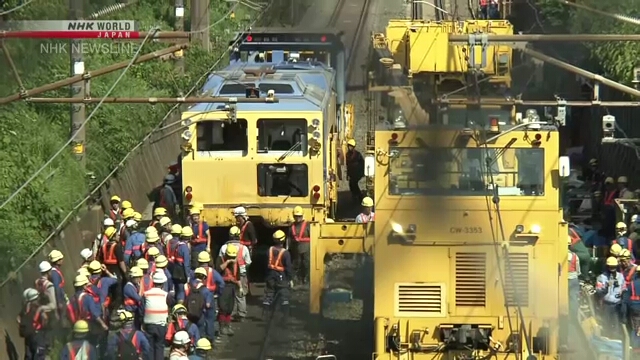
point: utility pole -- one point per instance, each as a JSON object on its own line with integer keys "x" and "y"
{"x": 200, "y": 22}
{"x": 77, "y": 89}
{"x": 179, "y": 26}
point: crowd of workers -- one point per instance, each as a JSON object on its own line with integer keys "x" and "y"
{"x": 603, "y": 250}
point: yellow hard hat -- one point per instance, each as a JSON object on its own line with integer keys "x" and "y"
{"x": 204, "y": 257}
{"x": 367, "y": 202}
{"x": 623, "y": 179}
{"x": 351, "y": 142}
{"x": 128, "y": 213}
{"x": 152, "y": 238}
{"x": 608, "y": 180}
{"x": 95, "y": 266}
{"x": 234, "y": 231}
{"x": 81, "y": 326}
{"x": 178, "y": 308}
{"x": 197, "y": 205}
{"x": 615, "y": 249}
{"x": 232, "y": 250}
{"x": 125, "y": 316}
{"x": 203, "y": 344}
{"x": 621, "y": 225}
{"x": 126, "y": 205}
{"x": 164, "y": 221}
{"x": 142, "y": 263}
{"x": 136, "y": 272}
{"x": 109, "y": 232}
{"x": 153, "y": 251}
{"x": 80, "y": 280}
{"x": 55, "y": 255}
{"x": 194, "y": 211}
{"x": 160, "y": 211}
{"x": 279, "y": 235}
{"x": 187, "y": 232}
{"x": 137, "y": 216}
{"x": 176, "y": 229}
{"x": 625, "y": 254}
{"x": 611, "y": 261}
{"x": 201, "y": 271}
{"x": 115, "y": 198}
{"x": 161, "y": 262}
{"x": 297, "y": 211}
{"x": 83, "y": 271}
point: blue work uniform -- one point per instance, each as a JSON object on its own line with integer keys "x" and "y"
{"x": 609, "y": 286}
{"x": 104, "y": 286}
{"x": 132, "y": 297}
{"x": 134, "y": 246}
{"x": 57, "y": 279}
{"x": 180, "y": 256}
{"x": 624, "y": 242}
{"x": 631, "y": 308}
{"x": 217, "y": 282}
{"x": 71, "y": 350}
{"x": 168, "y": 285}
{"x": 138, "y": 338}
{"x": 206, "y": 323}
{"x": 182, "y": 323}
{"x": 199, "y": 242}
{"x": 279, "y": 274}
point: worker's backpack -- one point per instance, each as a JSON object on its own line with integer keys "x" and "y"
{"x": 83, "y": 351}
{"x": 195, "y": 304}
{"x": 126, "y": 349}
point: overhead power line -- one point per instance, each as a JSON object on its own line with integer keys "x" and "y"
{"x": 16, "y": 8}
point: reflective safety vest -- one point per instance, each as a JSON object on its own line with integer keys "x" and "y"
{"x": 367, "y": 218}
{"x": 240, "y": 256}
{"x": 42, "y": 284}
{"x": 181, "y": 324}
{"x": 242, "y": 231}
{"x": 634, "y": 294}
{"x": 211, "y": 283}
{"x": 231, "y": 275}
{"x": 129, "y": 301}
{"x": 175, "y": 256}
{"x": 109, "y": 253}
{"x": 134, "y": 339}
{"x": 146, "y": 284}
{"x": 609, "y": 197}
{"x": 39, "y": 320}
{"x": 170, "y": 248}
{"x": 301, "y": 236}
{"x": 276, "y": 264}
{"x": 76, "y": 310}
{"x": 59, "y": 274}
{"x": 573, "y": 264}
{"x": 81, "y": 351}
{"x": 628, "y": 274}
{"x": 200, "y": 237}
{"x": 156, "y": 310}
{"x": 114, "y": 214}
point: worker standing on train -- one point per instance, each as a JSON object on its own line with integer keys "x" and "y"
{"x": 33, "y": 326}
{"x": 279, "y": 277}
{"x": 355, "y": 170}
{"x": 244, "y": 260}
{"x": 128, "y": 342}
{"x": 56, "y": 259}
{"x": 609, "y": 286}
{"x": 158, "y": 213}
{"x": 227, "y": 265}
{"x": 622, "y": 239}
{"x": 631, "y": 309}
{"x": 367, "y": 215}
{"x": 132, "y": 293}
{"x": 609, "y": 208}
{"x": 155, "y": 307}
{"x": 79, "y": 348}
{"x": 167, "y": 196}
{"x": 623, "y": 188}
{"x": 594, "y": 175}
{"x": 574, "y": 281}
{"x": 300, "y": 245}
{"x": 248, "y": 235}
{"x": 202, "y": 236}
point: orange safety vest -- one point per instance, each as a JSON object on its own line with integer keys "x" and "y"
{"x": 230, "y": 275}
{"x": 61, "y": 276}
{"x": 301, "y": 237}
{"x": 134, "y": 340}
{"x": 114, "y": 214}
{"x": 276, "y": 264}
{"x": 38, "y": 321}
{"x": 179, "y": 325}
{"x": 367, "y": 218}
{"x": 42, "y": 284}
{"x": 200, "y": 239}
{"x": 109, "y": 254}
{"x": 211, "y": 284}
{"x": 129, "y": 301}
{"x": 609, "y": 197}
{"x": 242, "y": 230}
{"x": 145, "y": 284}
{"x": 74, "y": 351}
{"x": 634, "y": 295}
{"x": 172, "y": 252}
{"x": 573, "y": 263}
{"x": 76, "y": 310}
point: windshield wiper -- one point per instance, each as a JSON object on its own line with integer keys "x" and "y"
{"x": 290, "y": 151}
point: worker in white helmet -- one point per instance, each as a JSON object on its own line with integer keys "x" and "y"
{"x": 248, "y": 236}
{"x": 180, "y": 346}
{"x": 33, "y": 327}
{"x": 101, "y": 239}
{"x": 609, "y": 286}
{"x": 46, "y": 288}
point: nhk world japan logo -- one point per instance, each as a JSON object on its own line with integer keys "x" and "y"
{"x": 88, "y": 48}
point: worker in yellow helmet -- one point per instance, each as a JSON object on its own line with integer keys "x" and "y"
{"x": 299, "y": 241}
{"x": 115, "y": 210}
{"x": 202, "y": 236}
{"x": 367, "y": 215}
{"x": 56, "y": 258}
{"x": 354, "y": 162}
{"x": 609, "y": 286}
{"x": 615, "y": 250}
{"x": 623, "y": 240}
{"x": 158, "y": 213}
{"x": 180, "y": 321}
{"x": 243, "y": 259}
{"x": 79, "y": 347}
{"x": 227, "y": 265}
{"x": 279, "y": 277}
{"x": 112, "y": 253}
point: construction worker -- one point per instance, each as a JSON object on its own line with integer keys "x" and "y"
{"x": 161, "y": 265}
{"x": 244, "y": 260}
{"x": 493, "y": 12}
{"x": 609, "y": 286}
{"x": 87, "y": 257}
{"x": 367, "y": 215}
{"x": 167, "y": 197}
{"x": 203, "y": 348}
{"x": 355, "y": 169}
{"x": 46, "y": 289}
{"x": 631, "y": 309}
{"x": 158, "y": 213}
{"x": 147, "y": 282}
{"x": 155, "y": 307}
{"x": 227, "y": 265}
{"x": 200, "y": 302}
{"x": 152, "y": 241}
{"x": 127, "y": 343}
{"x": 106, "y": 284}
{"x": 180, "y": 346}
{"x": 83, "y": 306}
{"x": 300, "y": 244}
{"x": 112, "y": 254}
{"x": 131, "y": 292}
{"x": 137, "y": 217}
{"x": 79, "y": 348}
{"x": 124, "y": 230}
{"x": 135, "y": 243}
{"x": 164, "y": 225}
{"x": 56, "y": 258}
{"x": 627, "y": 267}
{"x": 594, "y": 175}
{"x": 202, "y": 237}
{"x": 622, "y": 239}
{"x": 180, "y": 322}
{"x": 170, "y": 245}
{"x": 33, "y": 326}
{"x": 280, "y": 274}
{"x": 623, "y": 188}
{"x": 179, "y": 256}
{"x": 609, "y": 208}
{"x": 248, "y": 236}
{"x": 100, "y": 238}
{"x": 574, "y": 281}
{"x": 114, "y": 209}
{"x": 579, "y": 248}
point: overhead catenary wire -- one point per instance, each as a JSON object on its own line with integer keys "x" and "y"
{"x": 71, "y": 138}
{"x": 16, "y": 8}
{"x": 97, "y": 188}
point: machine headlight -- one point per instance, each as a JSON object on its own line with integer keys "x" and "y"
{"x": 316, "y": 135}
{"x": 186, "y": 135}
{"x": 397, "y": 228}
{"x": 399, "y": 121}
{"x": 536, "y": 229}
{"x": 519, "y": 229}
{"x": 315, "y": 123}
{"x": 187, "y": 122}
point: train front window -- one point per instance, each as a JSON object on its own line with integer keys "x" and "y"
{"x": 221, "y": 136}
{"x": 466, "y": 171}
{"x": 289, "y": 180}
{"x": 282, "y": 137}
{"x": 468, "y": 117}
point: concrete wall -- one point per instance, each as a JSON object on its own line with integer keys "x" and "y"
{"x": 141, "y": 173}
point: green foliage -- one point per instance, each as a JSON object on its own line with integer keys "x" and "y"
{"x": 30, "y": 134}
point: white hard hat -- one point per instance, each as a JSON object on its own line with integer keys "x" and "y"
{"x": 130, "y": 223}
{"x": 44, "y": 267}
{"x": 239, "y": 211}
{"x": 169, "y": 179}
{"x": 181, "y": 338}
{"x": 159, "y": 277}
{"x": 86, "y": 253}
{"x": 30, "y": 294}
{"x": 108, "y": 222}
{"x": 634, "y": 218}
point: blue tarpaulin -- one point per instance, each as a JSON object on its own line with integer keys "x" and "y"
{"x": 609, "y": 347}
